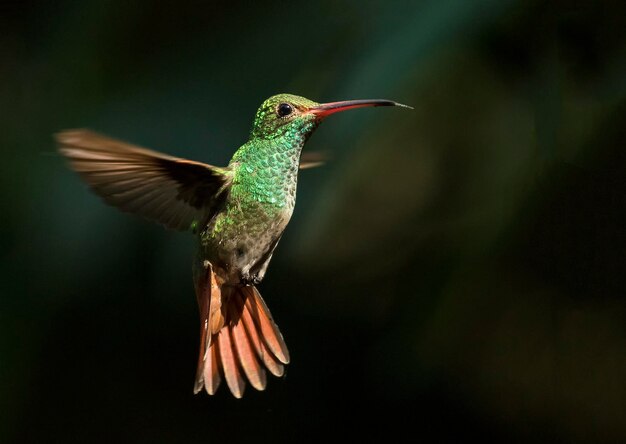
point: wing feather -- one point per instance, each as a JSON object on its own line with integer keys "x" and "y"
{"x": 171, "y": 191}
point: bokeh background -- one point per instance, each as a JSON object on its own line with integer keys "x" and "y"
{"x": 456, "y": 272}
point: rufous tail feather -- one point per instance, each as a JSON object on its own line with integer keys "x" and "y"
{"x": 239, "y": 340}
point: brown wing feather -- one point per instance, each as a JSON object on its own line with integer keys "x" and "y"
{"x": 312, "y": 159}
{"x": 168, "y": 190}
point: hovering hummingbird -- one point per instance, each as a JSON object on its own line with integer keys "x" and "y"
{"x": 238, "y": 212}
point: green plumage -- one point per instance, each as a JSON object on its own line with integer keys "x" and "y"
{"x": 239, "y": 213}
{"x": 263, "y": 190}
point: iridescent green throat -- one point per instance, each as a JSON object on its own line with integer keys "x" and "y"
{"x": 265, "y": 177}
{"x": 266, "y": 169}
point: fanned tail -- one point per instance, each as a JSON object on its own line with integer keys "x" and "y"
{"x": 239, "y": 340}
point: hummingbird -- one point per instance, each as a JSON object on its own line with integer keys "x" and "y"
{"x": 237, "y": 212}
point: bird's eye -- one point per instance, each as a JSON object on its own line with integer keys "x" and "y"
{"x": 284, "y": 109}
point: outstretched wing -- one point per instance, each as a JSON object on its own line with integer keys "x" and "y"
{"x": 175, "y": 192}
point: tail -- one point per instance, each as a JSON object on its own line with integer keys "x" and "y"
{"x": 238, "y": 338}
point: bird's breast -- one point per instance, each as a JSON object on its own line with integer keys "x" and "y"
{"x": 258, "y": 208}
{"x": 241, "y": 235}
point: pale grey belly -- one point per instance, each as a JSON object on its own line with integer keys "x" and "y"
{"x": 243, "y": 250}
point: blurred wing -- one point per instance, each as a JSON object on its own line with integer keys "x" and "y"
{"x": 312, "y": 159}
{"x": 175, "y": 192}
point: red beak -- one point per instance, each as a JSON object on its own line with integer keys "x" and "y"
{"x": 326, "y": 109}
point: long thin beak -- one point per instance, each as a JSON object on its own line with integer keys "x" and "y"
{"x": 326, "y": 109}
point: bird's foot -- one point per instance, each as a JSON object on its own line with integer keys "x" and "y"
{"x": 250, "y": 280}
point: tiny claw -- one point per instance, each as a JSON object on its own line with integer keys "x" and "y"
{"x": 247, "y": 281}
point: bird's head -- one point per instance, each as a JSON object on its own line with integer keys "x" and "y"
{"x": 297, "y": 117}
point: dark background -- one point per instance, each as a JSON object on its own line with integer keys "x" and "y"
{"x": 456, "y": 272}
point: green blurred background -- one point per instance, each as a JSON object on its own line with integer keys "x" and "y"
{"x": 456, "y": 272}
